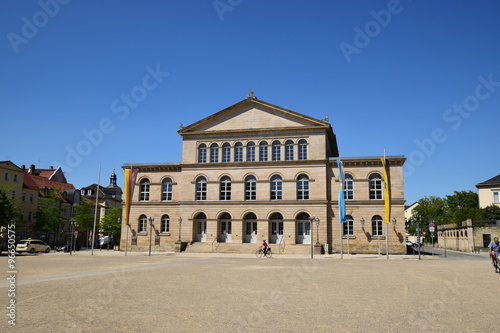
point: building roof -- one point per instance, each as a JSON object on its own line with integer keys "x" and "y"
{"x": 490, "y": 182}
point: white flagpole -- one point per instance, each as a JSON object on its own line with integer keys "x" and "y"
{"x": 341, "y": 229}
{"x": 127, "y": 224}
{"x": 96, "y": 206}
{"x": 387, "y": 217}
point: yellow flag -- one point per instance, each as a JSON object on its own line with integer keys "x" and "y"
{"x": 387, "y": 191}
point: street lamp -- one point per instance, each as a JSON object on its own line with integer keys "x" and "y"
{"x": 71, "y": 228}
{"x": 317, "y": 230}
{"x": 180, "y": 223}
{"x": 419, "y": 219}
{"x": 151, "y": 220}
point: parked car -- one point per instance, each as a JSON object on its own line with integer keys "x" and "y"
{"x": 32, "y": 246}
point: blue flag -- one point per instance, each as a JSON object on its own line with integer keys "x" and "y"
{"x": 342, "y": 218}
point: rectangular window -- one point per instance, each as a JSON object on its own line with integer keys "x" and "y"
{"x": 238, "y": 154}
{"x": 24, "y": 197}
{"x": 6, "y": 177}
{"x": 214, "y": 154}
{"x": 201, "y": 191}
{"x": 496, "y": 198}
{"x": 226, "y": 154}
{"x": 263, "y": 153}
{"x": 251, "y": 154}
{"x": 348, "y": 190}
{"x": 250, "y": 190}
{"x": 276, "y": 190}
{"x": 377, "y": 228}
{"x": 289, "y": 152}
{"x": 348, "y": 228}
{"x": 15, "y": 178}
{"x": 32, "y": 198}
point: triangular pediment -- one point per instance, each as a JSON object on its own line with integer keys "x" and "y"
{"x": 252, "y": 114}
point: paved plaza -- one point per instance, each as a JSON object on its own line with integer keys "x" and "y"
{"x": 111, "y": 292}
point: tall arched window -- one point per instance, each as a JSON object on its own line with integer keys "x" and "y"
{"x": 225, "y": 188}
{"x": 165, "y": 224}
{"x": 348, "y": 226}
{"x": 276, "y": 187}
{"x": 214, "y": 153}
{"x": 348, "y": 187}
{"x": 263, "y": 151}
{"x": 144, "y": 190}
{"x": 289, "y": 150}
{"x": 302, "y": 149}
{"x": 375, "y": 186}
{"x": 166, "y": 190}
{"x": 226, "y": 153}
{"x": 238, "y": 152}
{"x": 202, "y": 153}
{"x": 250, "y": 188}
{"x": 201, "y": 188}
{"x": 251, "y": 152}
{"x": 143, "y": 223}
{"x": 302, "y": 187}
{"x": 276, "y": 150}
{"x": 377, "y": 226}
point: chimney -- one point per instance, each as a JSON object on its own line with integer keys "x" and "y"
{"x": 32, "y": 169}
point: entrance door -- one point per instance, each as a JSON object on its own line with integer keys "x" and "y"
{"x": 303, "y": 232}
{"x": 201, "y": 231}
{"x": 225, "y": 232}
{"x": 251, "y": 232}
{"x": 276, "y": 232}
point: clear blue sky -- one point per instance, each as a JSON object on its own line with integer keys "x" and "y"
{"x": 418, "y": 78}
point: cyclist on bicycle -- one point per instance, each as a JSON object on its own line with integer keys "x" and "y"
{"x": 494, "y": 249}
{"x": 264, "y": 247}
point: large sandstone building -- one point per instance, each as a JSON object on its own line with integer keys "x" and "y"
{"x": 256, "y": 171}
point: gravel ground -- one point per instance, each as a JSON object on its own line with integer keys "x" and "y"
{"x": 110, "y": 292}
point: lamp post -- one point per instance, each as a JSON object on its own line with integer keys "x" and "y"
{"x": 432, "y": 228}
{"x": 180, "y": 224}
{"x": 151, "y": 220}
{"x": 71, "y": 227}
{"x": 317, "y": 231}
{"x": 419, "y": 218}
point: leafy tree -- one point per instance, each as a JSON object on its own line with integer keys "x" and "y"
{"x": 491, "y": 212}
{"x": 84, "y": 215}
{"x": 428, "y": 208}
{"x": 49, "y": 214}
{"x": 8, "y": 210}
{"x": 462, "y": 205}
{"x": 111, "y": 223}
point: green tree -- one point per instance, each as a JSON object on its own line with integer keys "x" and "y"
{"x": 491, "y": 212}
{"x": 84, "y": 215}
{"x": 8, "y": 210}
{"x": 49, "y": 213}
{"x": 111, "y": 223}
{"x": 428, "y": 208}
{"x": 462, "y": 205}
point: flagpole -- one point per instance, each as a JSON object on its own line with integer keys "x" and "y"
{"x": 126, "y": 214}
{"x": 341, "y": 229}
{"x": 96, "y": 205}
{"x": 387, "y": 218}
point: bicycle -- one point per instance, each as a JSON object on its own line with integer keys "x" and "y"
{"x": 260, "y": 253}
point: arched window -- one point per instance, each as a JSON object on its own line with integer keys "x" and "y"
{"x": 263, "y": 151}
{"x": 238, "y": 152}
{"x": 143, "y": 223}
{"x": 214, "y": 153}
{"x": 302, "y": 187}
{"x": 276, "y": 187}
{"x": 144, "y": 190}
{"x": 165, "y": 224}
{"x": 201, "y": 188}
{"x": 251, "y": 152}
{"x": 226, "y": 153}
{"x": 225, "y": 188}
{"x": 377, "y": 226}
{"x": 289, "y": 150}
{"x": 250, "y": 188}
{"x": 348, "y": 187}
{"x": 302, "y": 150}
{"x": 202, "y": 153}
{"x": 166, "y": 190}
{"x": 276, "y": 150}
{"x": 375, "y": 186}
{"x": 348, "y": 226}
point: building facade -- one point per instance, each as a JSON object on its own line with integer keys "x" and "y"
{"x": 489, "y": 192}
{"x": 256, "y": 171}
